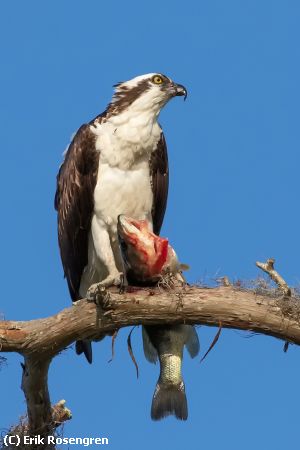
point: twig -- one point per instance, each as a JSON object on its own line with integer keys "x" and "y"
{"x": 113, "y": 339}
{"x": 131, "y": 352}
{"x": 215, "y": 340}
{"x": 268, "y": 267}
{"x": 60, "y": 413}
{"x": 224, "y": 281}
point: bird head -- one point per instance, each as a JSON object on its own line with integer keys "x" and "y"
{"x": 150, "y": 91}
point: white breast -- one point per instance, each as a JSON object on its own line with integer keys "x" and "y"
{"x": 123, "y": 192}
{"x": 125, "y": 143}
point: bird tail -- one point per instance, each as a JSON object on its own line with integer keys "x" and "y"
{"x": 85, "y": 346}
{"x": 169, "y": 399}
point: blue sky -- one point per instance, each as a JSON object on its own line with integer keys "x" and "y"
{"x": 234, "y": 196}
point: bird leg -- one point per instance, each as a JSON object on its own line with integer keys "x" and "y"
{"x": 105, "y": 255}
{"x": 113, "y": 279}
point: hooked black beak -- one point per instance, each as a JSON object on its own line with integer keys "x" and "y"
{"x": 180, "y": 90}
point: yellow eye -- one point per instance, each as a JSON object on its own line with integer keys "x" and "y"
{"x": 157, "y": 79}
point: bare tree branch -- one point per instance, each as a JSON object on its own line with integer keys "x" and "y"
{"x": 235, "y": 308}
{"x": 40, "y": 340}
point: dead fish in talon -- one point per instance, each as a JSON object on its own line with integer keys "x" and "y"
{"x": 147, "y": 258}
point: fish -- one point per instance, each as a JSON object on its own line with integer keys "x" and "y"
{"x": 147, "y": 258}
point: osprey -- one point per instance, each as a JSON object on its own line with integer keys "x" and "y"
{"x": 116, "y": 164}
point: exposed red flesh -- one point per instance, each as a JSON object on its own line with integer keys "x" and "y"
{"x": 152, "y": 250}
{"x": 162, "y": 253}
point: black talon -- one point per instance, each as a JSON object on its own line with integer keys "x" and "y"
{"x": 124, "y": 284}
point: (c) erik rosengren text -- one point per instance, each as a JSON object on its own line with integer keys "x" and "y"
{"x": 17, "y": 440}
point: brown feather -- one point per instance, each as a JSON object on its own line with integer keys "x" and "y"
{"x": 74, "y": 201}
{"x": 160, "y": 183}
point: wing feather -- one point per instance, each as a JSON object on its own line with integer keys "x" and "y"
{"x": 160, "y": 183}
{"x": 74, "y": 202}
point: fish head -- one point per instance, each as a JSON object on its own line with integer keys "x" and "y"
{"x": 143, "y": 252}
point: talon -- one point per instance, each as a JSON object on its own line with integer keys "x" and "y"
{"x": 92, "y": 292}
{"x": 124, "y": 284}
{"x": 111, "y": 280}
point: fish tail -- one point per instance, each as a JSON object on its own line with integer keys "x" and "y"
{"x": 169, "y": 399}
{"x": 85, "y": 346}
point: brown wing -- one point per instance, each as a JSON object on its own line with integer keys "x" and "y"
{"x": 160, "y": 183}
{"x": 74, "y": 201}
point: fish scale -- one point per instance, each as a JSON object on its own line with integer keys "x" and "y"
{"x": 170, "y": 368}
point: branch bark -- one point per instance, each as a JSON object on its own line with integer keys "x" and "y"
{"x": 235, "y": 308}
{"x": 40, "y": 340}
